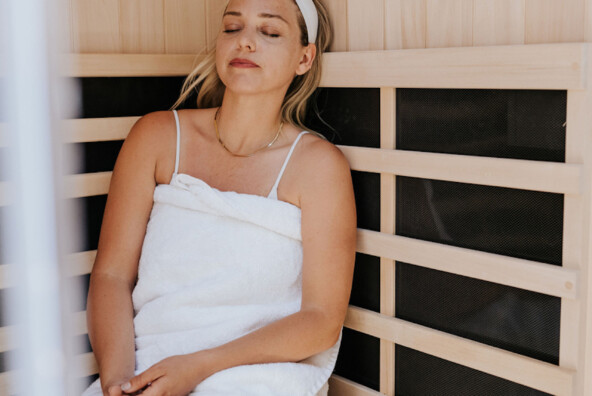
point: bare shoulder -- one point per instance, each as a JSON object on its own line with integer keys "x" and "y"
{"x": 155, "y": 135}
{"x": 324, "y": 170}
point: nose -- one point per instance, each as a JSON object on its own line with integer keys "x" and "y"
{"x": 246, "y": 40}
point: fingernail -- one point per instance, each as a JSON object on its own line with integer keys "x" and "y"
{"x": 126, "y": 386}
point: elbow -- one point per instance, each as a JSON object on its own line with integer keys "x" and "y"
{"x": 328, "y": 328}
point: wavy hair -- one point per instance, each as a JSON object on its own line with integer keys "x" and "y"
{"x": 295, "y": 104}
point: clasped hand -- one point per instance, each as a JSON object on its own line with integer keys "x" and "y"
{"x": 174, "y": 376}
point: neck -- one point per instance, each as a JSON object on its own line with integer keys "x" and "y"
{"x": 246, "y": 123}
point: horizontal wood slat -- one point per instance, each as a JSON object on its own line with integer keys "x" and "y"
{"x": 530, "y": 372}
{"x": 128, "y": 65}
{"x": 339, "y": 386}
{"x": 543, "y": 176}
{"x": 85, "y": 130}
{"x": 525, "y": 274}
{"x": 555, "y": 177}
{"x": 535, "y": 66}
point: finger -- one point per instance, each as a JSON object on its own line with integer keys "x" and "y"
{"x": 140, "y": 381}
{"x": 155, "y": 389}
{"x": 114, "y": 390}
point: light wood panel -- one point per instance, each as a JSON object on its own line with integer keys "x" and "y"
{"x": 337, "y": 10}
{"x": 339, "y": 386}
{"x": 576, "y": 316}
{"x": 552, "y": 21}
{"x": 95, "y": 26}
{"x": 185, "y": 26}
{"x": 505, "y": 270}
{"x": 498, "y": 22}
{"x": 405, "y": 24}
{"x": 512, "y": 366}
{"x": 214, "y": 12}
{"x": 107, "y": 26}
{"x": 387, "y": 225}
{"x": 142, "y": 26}
{"x": 449, "y": 23}
{"x": 501, "y": 172}
{"x": 540, "y": 66}
{"x": 365, "y": 24}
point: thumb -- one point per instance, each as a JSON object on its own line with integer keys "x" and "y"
{"x": 114, "y": 390}
{"x": 138, "y": 382}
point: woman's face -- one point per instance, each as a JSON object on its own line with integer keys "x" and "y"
{"x": 258, "y": 49}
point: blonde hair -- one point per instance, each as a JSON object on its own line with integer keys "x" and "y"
{"x": 294, "y": 106}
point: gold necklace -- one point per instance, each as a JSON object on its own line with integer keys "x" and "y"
{"x": 242, "y": 155}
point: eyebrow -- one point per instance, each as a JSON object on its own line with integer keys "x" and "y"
{"x": 262, "y": 15}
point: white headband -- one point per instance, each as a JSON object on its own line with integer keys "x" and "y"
{"x": 311, "y": 17}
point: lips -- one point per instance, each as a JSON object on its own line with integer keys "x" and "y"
{"x": 239, "y": 62}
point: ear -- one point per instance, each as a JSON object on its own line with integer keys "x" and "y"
{"x": 308, "y": 56}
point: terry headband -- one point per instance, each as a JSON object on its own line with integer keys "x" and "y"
{"x": 311, "y": 17}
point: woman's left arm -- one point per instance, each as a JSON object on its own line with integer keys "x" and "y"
{"x": 329, "y": 229}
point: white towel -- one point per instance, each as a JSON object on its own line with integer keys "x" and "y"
{"x": 216, "y": 265}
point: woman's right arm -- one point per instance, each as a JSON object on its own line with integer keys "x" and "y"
{"x": 129, "y": 202}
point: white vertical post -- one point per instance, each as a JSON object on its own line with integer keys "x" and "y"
{"x": 31, "y": 97}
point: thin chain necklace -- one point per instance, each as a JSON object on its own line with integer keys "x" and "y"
{"x": 242, "y": 155}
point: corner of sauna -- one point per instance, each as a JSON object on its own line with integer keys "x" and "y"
{"x": 466, "y": 124}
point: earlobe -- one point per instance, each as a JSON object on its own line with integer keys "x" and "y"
{"x": 307, "y": 59}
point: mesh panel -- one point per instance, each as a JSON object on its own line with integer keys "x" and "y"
{"x": 421, "y": 374}
{"x": 524, "y": 124}
{"x": 358, "y": 358}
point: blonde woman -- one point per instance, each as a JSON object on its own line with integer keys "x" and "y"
{"x": 226, "y": 253}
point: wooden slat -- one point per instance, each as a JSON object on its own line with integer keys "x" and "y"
{"x": 498, "y": 22}
{"x": 95, "y": 26}
{"x": 80, "y": 263}
{"x": 84, "y": 365}
{"x": 552, "y": 21}
{"x": 184, "y": 26}
{"x": 540, "y": 66}
{"x": 339, "y": 386}
{"x": 214, "y": 11}
{"x": 510, "y": 271}
{"x": 449, "y": 23}
{"x": 530, "y": 372}
{"x": 512, "y": 173}
{"x": 122, "y": 65}
{"x": 337, "y": 10}
{"x": 7, "y": 383}
{"x": 79, "y": 323}
{"x": 365, "y": 23}
{"x": 405, "y": 24}
{"x": 387, "y": 225}
{"x": 522, "y": 174}
{"x": 141, "y": 23}
{"x": 86, "y": 184}
{"x": 85, "y": 130}
{"x": 575, "y": 348}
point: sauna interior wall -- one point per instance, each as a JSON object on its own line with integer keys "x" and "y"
{"x": 188, "y": 26}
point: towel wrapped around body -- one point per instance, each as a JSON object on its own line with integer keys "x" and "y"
{"x": 216, "y": 265}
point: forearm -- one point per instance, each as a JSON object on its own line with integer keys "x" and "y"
{"x": 110, "y": 327}
{"x": 289, "y": 339}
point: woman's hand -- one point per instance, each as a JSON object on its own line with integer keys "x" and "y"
{"x": 174, "y": 376}
{"x": 113, "y": 388}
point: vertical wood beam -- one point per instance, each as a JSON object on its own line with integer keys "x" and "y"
{"x": 387, "y": 225}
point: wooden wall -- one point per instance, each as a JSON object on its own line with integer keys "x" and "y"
{"x": 188, "y": 26}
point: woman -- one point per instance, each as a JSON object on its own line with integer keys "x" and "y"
{"x": 207, "y": 281}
